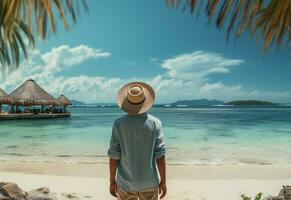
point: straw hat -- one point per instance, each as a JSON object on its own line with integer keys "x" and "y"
{"x": 136, "y": 97}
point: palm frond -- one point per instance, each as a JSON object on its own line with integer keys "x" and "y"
{"x": 20, "y": 19}
{"x": 269, "y": 21}
{"x": 11, "y": 47}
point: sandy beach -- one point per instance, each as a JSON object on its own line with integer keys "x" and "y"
{"x": 90, "y": 181}
{"x": 201, "y": 87}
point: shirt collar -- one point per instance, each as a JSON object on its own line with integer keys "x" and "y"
{"x": 138, "y": 115}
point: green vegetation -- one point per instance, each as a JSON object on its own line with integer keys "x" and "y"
{"x": 257, "y": 197}
{"x": 251, "y": 103}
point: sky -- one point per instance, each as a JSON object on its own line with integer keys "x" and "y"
{"x": 181, "y": 56}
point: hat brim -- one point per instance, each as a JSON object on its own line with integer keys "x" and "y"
{"x": 131, "y": 108}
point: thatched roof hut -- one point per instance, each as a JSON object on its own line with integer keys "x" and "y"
{"x": 64, "y": 100}
{"x": 3, "y": 97}
{"x": 30, "y": 93}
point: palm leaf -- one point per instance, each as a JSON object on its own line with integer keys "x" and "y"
{"x": 17, "y": 23}
{"x": 269, "y": 21}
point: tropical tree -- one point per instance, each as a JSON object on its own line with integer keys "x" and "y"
{"x": 268, "y": 20}
{"x": 22, "y": 20}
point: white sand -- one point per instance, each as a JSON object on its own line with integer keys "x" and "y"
{"x": 184, "y": 183}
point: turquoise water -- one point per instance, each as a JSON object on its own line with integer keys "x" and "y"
{"x": 194, "y": 136}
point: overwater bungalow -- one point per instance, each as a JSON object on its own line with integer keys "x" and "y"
{"x": 30, "y": 100}
{"x": 3, "y": 99}
{"x": 64, "y": 101}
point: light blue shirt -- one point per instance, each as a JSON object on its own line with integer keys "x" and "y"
{"x": 137, "y": 141}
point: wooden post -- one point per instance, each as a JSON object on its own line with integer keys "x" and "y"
{"x": 12, "y": 109}
{"x": 0, "y": 108}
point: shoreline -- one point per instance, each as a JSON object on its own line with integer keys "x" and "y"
{"x": 173, "y": 171}
{"x": 97, "y": 188}
{"x": 184, "y": 182}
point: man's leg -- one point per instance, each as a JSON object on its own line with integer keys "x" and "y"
{"x": 123, "y": 195}
{"x": 149, "y": 194}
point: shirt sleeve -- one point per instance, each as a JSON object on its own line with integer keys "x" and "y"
{"x": 114, "y": 149}
{"x": 160, "y": 146}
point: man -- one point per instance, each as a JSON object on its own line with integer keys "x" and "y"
{"x": 137, "y": 147}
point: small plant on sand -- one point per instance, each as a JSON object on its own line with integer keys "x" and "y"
{"x": 257, "y": 197}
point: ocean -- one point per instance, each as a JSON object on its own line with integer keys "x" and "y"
{"x": 194, "y": 136}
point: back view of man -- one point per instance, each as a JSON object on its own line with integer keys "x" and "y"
{"x": 137, "y": 147}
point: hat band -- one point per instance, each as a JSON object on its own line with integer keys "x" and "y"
{"x": 136, "y": 103}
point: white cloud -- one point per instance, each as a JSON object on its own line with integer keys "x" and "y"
{"x": 230, "y": 92}
{"x": 209, "y": 88}
{"x": 198, "y": 64}
{"x": 44, "y": 67}
{"x": 187, "y": 77}
{"x": 92, "y": 89}
{"x": 64, "y": 57}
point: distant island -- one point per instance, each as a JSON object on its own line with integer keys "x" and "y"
{"x": 214, "y": 102}
{"x": 251, "y": 103}
{"x": 197, "y": 102}
{"x": 77, "y": 103}
{"x": 187, "y": 103}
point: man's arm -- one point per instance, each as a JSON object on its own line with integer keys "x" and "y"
{"x": 114, "y": 154}
{"x": 113, "y": 168}
{"x": 161, "y": 163}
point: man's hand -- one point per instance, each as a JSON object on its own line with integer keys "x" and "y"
{"x": 162, "y": 190}
{"x": 161, "y": 162}
{"x": 113, "y": 168}
{"x": 113, "y": 189}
